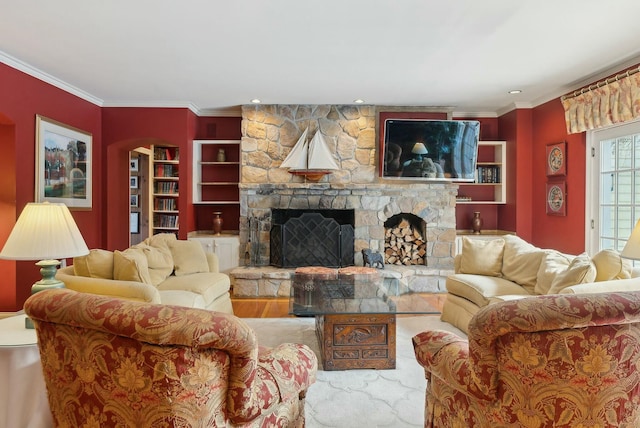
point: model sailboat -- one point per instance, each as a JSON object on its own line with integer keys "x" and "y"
{"x": 311, "y": 159}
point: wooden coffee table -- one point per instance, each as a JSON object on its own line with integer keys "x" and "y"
{"x": 355, "y": 315}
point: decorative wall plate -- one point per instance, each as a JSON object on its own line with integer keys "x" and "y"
{"x": 556, "y": 159}
{"x": 556, "y": 199}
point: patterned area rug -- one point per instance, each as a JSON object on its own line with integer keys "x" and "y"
{"x": 360, "y": 398}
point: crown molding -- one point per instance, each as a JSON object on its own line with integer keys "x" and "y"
{"x": 231, "y": 111}
{"x": 47, "y": 78}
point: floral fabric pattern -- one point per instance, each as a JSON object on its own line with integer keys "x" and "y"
{"x": 115, "y": 363}
{"x": 544, "y": 361}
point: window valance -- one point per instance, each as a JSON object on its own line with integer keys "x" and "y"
{"x": 611, "y": 101}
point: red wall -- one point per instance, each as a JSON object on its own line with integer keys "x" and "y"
{"x": 562, "y": 233}
{"x": 22, "y": 98}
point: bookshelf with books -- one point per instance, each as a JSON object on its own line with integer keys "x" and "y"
{"x": 165, "y": 190}
{"x": 490, "y": 186}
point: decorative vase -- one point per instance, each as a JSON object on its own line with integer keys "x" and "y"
{"x": 476, "y": 223}
{"x": 217, "y": 222}
{"x": 222, "y": 156}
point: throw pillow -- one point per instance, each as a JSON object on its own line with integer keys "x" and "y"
{"x": 97, "y": 264}
{"x": 482, "y": 256}
{"x": 188, "y": 257}
{"x": 162, "y": 240}
{"x": 521, "y": 261}
{"x": 553, "y": 263}
{"x": 609, "y": 265}
{"x": 580, "y": 271}
{"x": 131, "y": 265}
{"x": 159, "y": 260}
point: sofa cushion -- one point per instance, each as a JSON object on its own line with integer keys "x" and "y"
{"x": 97, "y": 264}
{"x": 188, "y": 257}
{"x": 553, "y": 263}
{"x": 209, "y": 285}
{"x": 480, "y": 289}
{"x": 580, "y": 271}
{"x": 482, "y": 256}
{"x": 521, "y": 261}
{"x": 131, "y": 265}
{"x": 610, "y": 265}
{"x": 159, "y": 260}
{"x": 161, "y": 240}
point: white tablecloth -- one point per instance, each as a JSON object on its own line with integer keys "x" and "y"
{"x": 23, "y": 395}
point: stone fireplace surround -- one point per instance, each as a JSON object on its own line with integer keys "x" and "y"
{"x": 373, "y": 204}
{"x": 268, "y": 134}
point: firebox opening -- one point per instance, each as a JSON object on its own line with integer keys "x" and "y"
{"x": 312, "y": 238}
{"x": 405, "y": 240}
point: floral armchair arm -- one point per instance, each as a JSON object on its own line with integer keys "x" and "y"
{"x": 548, "y": 313}
{"x": 446, "y": 356}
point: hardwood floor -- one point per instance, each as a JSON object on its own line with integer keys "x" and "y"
{"x": 278, "y": 307}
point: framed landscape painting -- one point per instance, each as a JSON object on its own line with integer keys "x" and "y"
{"x": 63, "y": 164}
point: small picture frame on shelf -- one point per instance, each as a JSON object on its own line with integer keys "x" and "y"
{"x": 134, "y": 201}
{"x": 556, "y": 159}
{"x": 556, "y": 199}
{"x": 134, "y": 182}
{"x": 133, "y": 164}
{"x": 134, "y": 222}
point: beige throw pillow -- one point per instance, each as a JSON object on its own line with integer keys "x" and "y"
{"x": 521, "y": 261}
{"x": 159, "y": 260}
{"x": 482, "y": 256}
{"x": 609, "y": 265}
{"x": 580, "y": 271}
{"x": 97, "y": 264}
{"x": 131, "y": 265}
{"x": 188, "y": 257}
{"x": 553, "y": 263}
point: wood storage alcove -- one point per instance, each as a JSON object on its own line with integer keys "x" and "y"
{"x": 405, "y": 240}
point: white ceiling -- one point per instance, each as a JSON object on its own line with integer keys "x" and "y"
{"x": 212, "y": 55}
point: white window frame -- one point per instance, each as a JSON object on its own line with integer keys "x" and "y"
{"x": 592, "y": 179}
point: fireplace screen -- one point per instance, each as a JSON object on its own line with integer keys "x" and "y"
{"x": 312, "y": 238}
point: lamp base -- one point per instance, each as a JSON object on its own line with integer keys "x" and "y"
{"x": 48, "y": 269}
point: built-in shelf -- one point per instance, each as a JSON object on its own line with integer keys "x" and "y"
{"x": 165, "y": 190}
{"x": 490, "y": 186}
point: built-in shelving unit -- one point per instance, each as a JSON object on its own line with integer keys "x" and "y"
{"x": 165, "y": 190}
{"x": 216, "y": 170}
{"x": 490, "y": 186}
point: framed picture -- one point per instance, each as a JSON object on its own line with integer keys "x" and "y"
{"x": 134, "y": 223}
{"x": 134, "y": 201}
{"x": 557, "y": 198}
{"x": 556, "y": 159}
{"x": 63, "y": 164}
{"x": 134, "y": 182}
{"x": 133, "y": 164}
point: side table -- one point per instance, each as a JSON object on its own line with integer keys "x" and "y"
{"x": 23, "y": 394}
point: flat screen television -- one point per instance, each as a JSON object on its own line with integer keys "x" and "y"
{"x": 425, "y": 149}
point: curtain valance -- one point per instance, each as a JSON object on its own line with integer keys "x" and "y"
{"x": 614, "y": 100}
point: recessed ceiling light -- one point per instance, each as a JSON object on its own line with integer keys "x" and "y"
{"x": 256, "y": 101}
{"x": 515, "y": 91}
{"x": 358, "y": 101}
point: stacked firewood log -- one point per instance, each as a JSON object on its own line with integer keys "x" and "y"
{"x": 404, "y": 245}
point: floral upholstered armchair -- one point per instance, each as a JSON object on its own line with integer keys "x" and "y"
{"x": 545, "y": 361}
{"x": 112, "y": 362}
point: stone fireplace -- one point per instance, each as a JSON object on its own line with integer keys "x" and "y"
{"x": 268, "y": 134}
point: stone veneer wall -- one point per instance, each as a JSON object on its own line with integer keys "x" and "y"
{"x": 268, "y": 134}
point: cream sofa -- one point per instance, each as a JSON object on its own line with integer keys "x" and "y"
{"x": 508, "y": 268}
{"x": 162, "y": 269}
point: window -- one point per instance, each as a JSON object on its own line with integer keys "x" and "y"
{"x": 613, "y": 186}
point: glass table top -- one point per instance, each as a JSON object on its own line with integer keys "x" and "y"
{"x": 354, "y": 294}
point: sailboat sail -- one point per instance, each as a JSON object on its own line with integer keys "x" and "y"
{"x": 297, "y": 158}
{"x": 310, "y": 156}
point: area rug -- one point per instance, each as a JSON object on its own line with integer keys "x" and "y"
{"x": 360, "y": 398}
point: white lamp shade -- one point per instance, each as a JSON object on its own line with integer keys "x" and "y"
{"x": 44, "y": 231}
{"x": 632, "y": 248}
{"x": 419, "y": 149}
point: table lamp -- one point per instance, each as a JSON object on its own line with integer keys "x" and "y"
{"x": 631, "y": 249}
{"x": 46, "y": 232}
{"x": 419, "y": 149}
